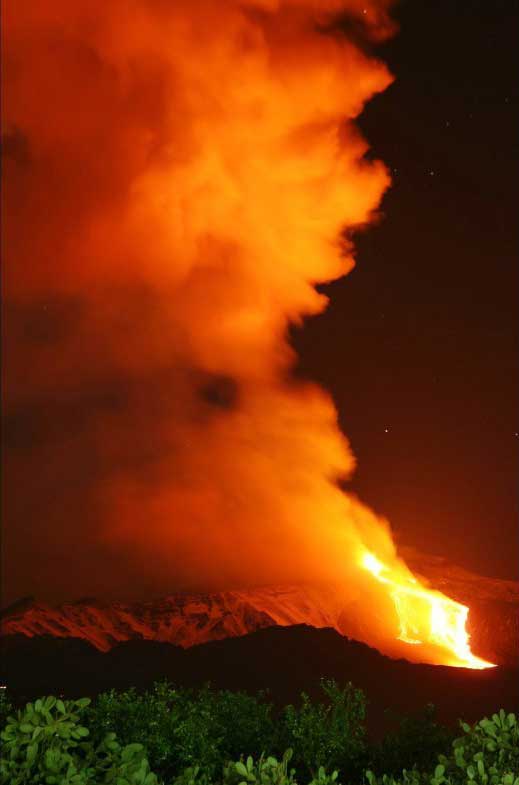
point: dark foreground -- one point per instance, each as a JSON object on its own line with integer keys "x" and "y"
{"x": 282, "y": 660}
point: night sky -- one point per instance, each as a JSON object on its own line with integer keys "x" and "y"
{"x": 427, "y": 322}
{"x": 136, "y": 353}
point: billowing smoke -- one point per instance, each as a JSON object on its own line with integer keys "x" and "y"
{"x": 178, "y": 176}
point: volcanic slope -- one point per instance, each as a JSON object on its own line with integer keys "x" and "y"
{"x": 188, "y": 620}
{"x": 182, "y": 619}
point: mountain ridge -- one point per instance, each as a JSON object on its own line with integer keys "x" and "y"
{"x": 188, "y": 620}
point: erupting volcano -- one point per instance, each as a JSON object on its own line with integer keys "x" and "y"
{"x": 181, "y": 177}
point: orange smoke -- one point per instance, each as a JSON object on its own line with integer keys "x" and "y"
{"x": 179, "y": 177}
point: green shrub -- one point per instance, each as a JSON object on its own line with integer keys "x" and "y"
{"x": 267, "y": 771}
{"x": 246, "y": 724}
{"x": 488, "y": 754}
{"x": 489, "y": 744}
{"x": 189, "y": 734}
{"x": 148, "y": 719}
{"x": 47, "y": 743}
{"x": 206, "y": 737}
{"x": 187, "y": 729}
{"x": 330, "y": 735}
{"x": 416, "y": 743}
{"x": 193, "y": 775}
{"x": 322, "y": 778}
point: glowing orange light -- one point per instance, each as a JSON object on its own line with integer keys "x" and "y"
{"x": 426, "y": 616}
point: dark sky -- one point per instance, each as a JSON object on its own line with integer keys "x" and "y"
{"x": 419, "y": 343}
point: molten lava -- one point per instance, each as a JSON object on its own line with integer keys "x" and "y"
{"x": 426, "y": 616}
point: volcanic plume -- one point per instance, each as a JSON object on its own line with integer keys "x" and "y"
{"x": 178, "y": 178}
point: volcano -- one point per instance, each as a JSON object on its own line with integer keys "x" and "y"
{"x": 188, "y": 620}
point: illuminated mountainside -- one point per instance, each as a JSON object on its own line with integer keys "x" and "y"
{"x": 185, "y": 620}
{"x": 188, "y": 620}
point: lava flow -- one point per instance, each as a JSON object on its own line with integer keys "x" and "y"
{"x": 426, "y": 616}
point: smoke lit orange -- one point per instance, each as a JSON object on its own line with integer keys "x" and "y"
{"x": 180, "y": 177}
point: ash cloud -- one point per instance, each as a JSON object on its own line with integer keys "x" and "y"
{"x": 177, "y": 178}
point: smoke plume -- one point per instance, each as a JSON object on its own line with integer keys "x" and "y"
{"x": 178, "y": 177}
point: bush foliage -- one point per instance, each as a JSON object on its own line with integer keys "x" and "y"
{"x": 205, "y": 737}
{"x": 487, "y": 754}
{"x": 416, "y": 743}
{"x": 47, "y": 743}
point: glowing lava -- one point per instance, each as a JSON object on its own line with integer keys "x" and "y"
{"x": 426, "y": 616}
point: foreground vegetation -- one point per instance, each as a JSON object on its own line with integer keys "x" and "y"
{"x": 188, "y": 737}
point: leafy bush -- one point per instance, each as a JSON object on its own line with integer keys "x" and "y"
{"x": 191, "y": 733}
{"x": 47, "y": 743}
{"x": 147, "y": 719}
{"x": 489, "y": 744}
{"x": 193, "y": 775}
{"x": 488, "y": 754}
{"x": 246, "y": 724}
{"x": 184, "y": 730}
{"x": 201, "y": 737}
{"x": 330, "y": 735}
{"x": 322, "y": 778}
{"x": 416, "y": 743}
{"x": 267, "y": 771}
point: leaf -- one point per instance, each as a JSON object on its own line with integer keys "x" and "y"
{"x": 60, "y": 706}
{"x": 31, "y": 753}
{"x": 130, "y": 751}
{"x": 240, "y": 768}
